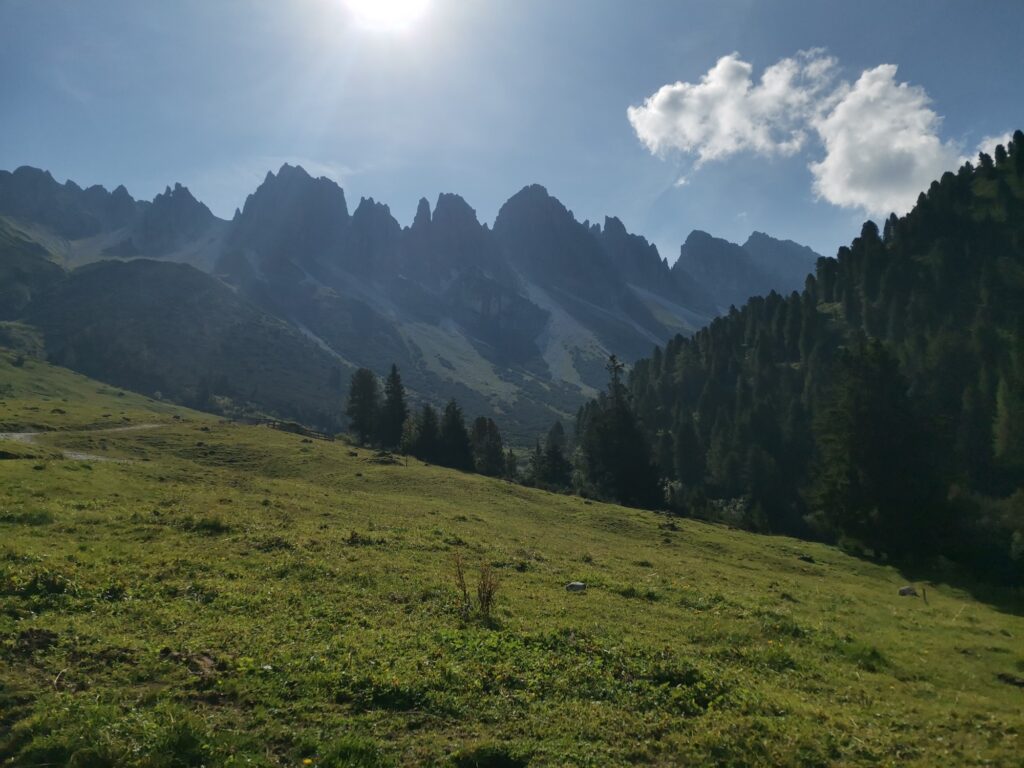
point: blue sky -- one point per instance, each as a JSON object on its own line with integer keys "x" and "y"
{"x": 482, "y": 97}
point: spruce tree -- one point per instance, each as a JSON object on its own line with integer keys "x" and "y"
{"x": 617, "y": 461}
{"x": 511, "y": 465}
{"x": 453, "y": 445}
{"x": 555, "y": 470}
{"x": 874, "y": 479}
{"x": 363, "y": 407}
{"x": 427, "y": 440}
{"x": 688, "y": 453}
{"x": 488, "y": 452}
{"x": 394, "y": 411}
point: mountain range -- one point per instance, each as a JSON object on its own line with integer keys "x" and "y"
{"x": 271, "y": 311}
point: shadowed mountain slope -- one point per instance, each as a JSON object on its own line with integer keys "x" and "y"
{"x": 514, "y": 321}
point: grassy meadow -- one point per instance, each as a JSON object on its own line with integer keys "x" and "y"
{"x": 197, "y": 592}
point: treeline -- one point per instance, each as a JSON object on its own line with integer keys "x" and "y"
{"x": 384, "y": 419}
{"x": 882, "y": 406}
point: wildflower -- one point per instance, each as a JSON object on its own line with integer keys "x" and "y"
{"x": 307, "y": 761}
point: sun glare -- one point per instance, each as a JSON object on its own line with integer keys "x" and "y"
{"x": 387, "y": 15}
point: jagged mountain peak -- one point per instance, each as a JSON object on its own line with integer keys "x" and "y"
{"x": 292, "y": 187}
{"x": 534, "y": 190}
{"x": 290, "y": 217}
{"x": 174, "y": 219}
{"x": 758, "y": 238}
{"x": 181, "y": 202}
{"x": 24, "y": 172}
{"x": 178, "y": 193}
{"x": 297, "y": 171}
{"x": 372, "y": 210}
{"x": 700, "y": 236}
{"x": 422, "y": 218}
{"x": 534, "y": 195}
{"x": 613, "y": 226}
{"x": 32, "y": 194}
{"x": 453, "y": 209}
{"x": 733, "y": 273}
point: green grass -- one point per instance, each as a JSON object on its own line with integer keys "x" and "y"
{"x": 231, "y": 595}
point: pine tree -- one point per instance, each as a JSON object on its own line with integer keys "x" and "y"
{"x": 394, "y": 411}
{"x": 554, "y": 470}
{"x": 874, "y": 479}
{"x": 427, "y": 440}
{"x": 488, "y": 451}
{"x": 688, "y": 453}
{"x": 410, "y": 435}
{"x": 453, "y": 444}
{"x": 363, "y": 407}
{"x": 1008, "y": 430}
{"x": 535, "y": 474}
{"x": 617, "y": 459}
{"x": 511, "y": 465}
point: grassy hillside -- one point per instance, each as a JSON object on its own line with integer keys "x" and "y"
{"x": 230, "y": 595}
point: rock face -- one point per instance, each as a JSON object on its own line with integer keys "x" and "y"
{"x": 173, "y": 220}
{"x": 731, "y": 273}
{"x": 516, "y": 322}
{"x": 787, "y": 264}
{"x": 34, "y": 196}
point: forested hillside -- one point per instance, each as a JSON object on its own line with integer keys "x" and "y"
{"x": 884, "y": 404}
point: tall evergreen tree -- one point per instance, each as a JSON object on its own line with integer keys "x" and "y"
{"x": 617, "y": 461}
{"x": 688, "y": 453}
{"x": 363, "y": 407}
{"x": 511, "y": 465}
{"x": 453, "y": 445}
{"x": 554, "y": 470}
{"x": 536, "y": 465}
{"x": 874, "y": 481}
{"x": 426, "y": 438}
{"x": 1008, "y": 430}
{"x": 488, "y": 452}
{"x": 394, "y": 411}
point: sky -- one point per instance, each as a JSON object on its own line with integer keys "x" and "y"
{"x": 799, "y": 119}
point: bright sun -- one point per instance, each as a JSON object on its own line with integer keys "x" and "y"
{"x": 387, "y": 15}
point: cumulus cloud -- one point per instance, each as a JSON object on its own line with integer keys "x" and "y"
{"x": 880, "y": 137}
{"x": 727, "y": 112}
{"x": 989, "y": 143}
{"x": 882, "y": 146}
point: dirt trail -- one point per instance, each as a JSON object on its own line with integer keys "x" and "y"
{"x": 31, "y": 438}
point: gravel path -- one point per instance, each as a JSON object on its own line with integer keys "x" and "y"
{"x": 31, "y": 438}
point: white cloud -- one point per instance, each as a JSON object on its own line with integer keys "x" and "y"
{"x": 882, "y": 147}
{"x": 988, "y": 145}
{"x": 880, "y": 137}
{"x": 726, "y": 112}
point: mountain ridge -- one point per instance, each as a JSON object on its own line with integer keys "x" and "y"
{"x": 515, "y": 320}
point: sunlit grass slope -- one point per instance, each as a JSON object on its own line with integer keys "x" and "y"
{"x": 231, "y": 595}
